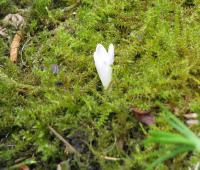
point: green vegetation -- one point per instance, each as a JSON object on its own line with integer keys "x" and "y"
{"x": 157, "y": 60}
{"x": 185, "y": 142}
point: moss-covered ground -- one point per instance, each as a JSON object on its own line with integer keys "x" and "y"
{"x": 157, "y": 60}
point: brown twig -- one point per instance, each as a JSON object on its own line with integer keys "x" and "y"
{"x": 111, "y": 158}
{"x": 69, "y": 147}
{"x": 15, "y": 46}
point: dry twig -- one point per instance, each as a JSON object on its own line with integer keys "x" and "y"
{"x": 69, "y": 148}
{"x": 111, "y": 158}
{"x": 15, "y": 46}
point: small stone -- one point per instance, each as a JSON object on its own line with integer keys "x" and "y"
{"x": 191, "y": 115}
{"x": 15, "y": 20}
{"x": 192, "y": 122}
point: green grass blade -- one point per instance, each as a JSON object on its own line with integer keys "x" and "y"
{"x": 167, "y": 138}
{"x": 179, "y": 126}
{"x": 172, "y": 154}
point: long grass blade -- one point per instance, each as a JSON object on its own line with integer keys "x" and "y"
{"x": 168, "y": 156}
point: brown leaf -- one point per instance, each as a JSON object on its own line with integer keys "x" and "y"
{"x": 138, "y": 111}
{"x": 15, "y": 46}
{"x": 143, "y": 116}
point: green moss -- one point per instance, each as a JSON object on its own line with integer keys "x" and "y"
{"x": 156, "y": 60}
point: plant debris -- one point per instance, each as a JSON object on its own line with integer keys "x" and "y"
{"x": 143, "y": 116}
{"x": 15, "y": 46}
{"x": 55, "y": 82}
{"x": 68, "y": 147}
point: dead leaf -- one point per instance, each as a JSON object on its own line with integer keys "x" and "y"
{"x": 15, "y": 46}
{"x": 138, "y": 111}
{"x": 144, "y": 116}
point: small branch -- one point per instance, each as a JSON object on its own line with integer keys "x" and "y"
{"x": 111, "y": 158}
{"x": 69, "y": 147}
{"x": 15, "y": 46}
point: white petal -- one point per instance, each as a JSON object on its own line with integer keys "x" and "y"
{"x": 111, "y": 54}
{"x": 105, "y": 73}
{"x": 103, "y": 67}
{"x": 101, "y": 52}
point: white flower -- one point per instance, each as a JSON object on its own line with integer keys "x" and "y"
{"x": 103, "y": 62}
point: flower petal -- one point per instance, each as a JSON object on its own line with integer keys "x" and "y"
{"x": 101, "y": 53}
{"x": 102, "y": 65}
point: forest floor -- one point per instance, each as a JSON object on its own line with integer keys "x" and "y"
{"x": 54, "y": 111}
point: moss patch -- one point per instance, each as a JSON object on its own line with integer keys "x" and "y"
{"x": 157, "y": 59}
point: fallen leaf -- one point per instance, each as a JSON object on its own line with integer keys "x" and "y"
{"x": 144, "y": 116}
{"x": 138, "y": 111}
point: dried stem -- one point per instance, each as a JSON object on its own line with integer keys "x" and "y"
{"x": 69, "y": 147}
{"x": 15, "y": 46}
{"x": 111, "y": 158}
